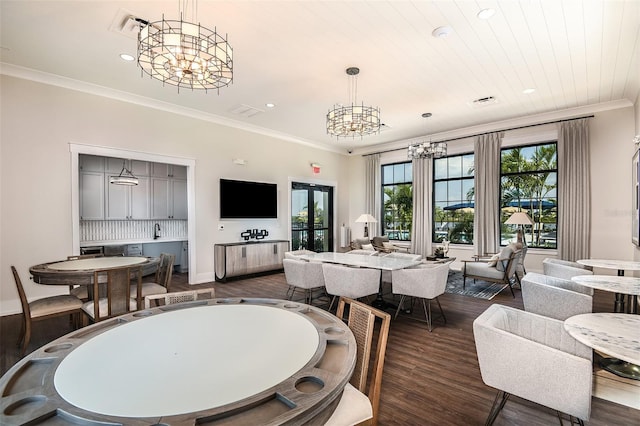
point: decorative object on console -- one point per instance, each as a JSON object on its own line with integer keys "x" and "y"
{"x": 254, "y": 233}
{"x": 366, "y": 219}
{"x": 519, "y": 218}
{"x": 353, "y": 120}
{"x": 427, "y": 149}
{"x": 184, "y": 54}
{"x": 125, "y": 177}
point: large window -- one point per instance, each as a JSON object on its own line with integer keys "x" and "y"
{"x": 453, "y": 199}
{"x": 397, "y": 200}
{"x": 529, "y": 181}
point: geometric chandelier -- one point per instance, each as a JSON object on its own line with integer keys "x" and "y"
{"x": 427, "y": 149}
{"x": 184, "y": 54}
{"x": 353, "y": 120}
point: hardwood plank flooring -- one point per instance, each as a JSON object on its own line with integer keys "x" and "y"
{"x": 429, "y": 378}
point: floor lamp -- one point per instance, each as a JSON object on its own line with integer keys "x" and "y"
{"x": 520, "y": 219}
{"x": 366, "y": 219}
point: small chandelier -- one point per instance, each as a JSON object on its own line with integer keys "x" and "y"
{"x": 124, "y": 178}
{"x": 353, "y": 120}
{"x": 427, "y": 149}
{"x": 184, "y": 54}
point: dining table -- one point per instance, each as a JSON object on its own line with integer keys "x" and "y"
{"x": 614, "y": 334}
{"x": 621, "y": 266}
{"x": 224, "y": 361}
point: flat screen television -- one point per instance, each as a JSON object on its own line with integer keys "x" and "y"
{"x": 241, "y": 199}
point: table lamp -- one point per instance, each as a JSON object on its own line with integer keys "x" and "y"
{"x": 366, "y": 219}
{"x": 520, "y": 218}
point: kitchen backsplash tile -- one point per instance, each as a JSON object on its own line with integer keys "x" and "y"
{"x": 114, "y": 230}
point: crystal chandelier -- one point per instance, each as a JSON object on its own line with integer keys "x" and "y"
{"x": 184, "y": 54}
{"x": 427, "y": 149}
{"x": 353, "y": 120}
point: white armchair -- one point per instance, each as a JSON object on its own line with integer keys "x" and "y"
{"x": 425, "y": 282}
{"x": 533, "y": 357}
{"x": 554, "y": 297}
{"x": 307, "y": 276}
{"x": 354, "y": 283}
{"x": 499, "y": 269}
{"x": 564, "y": 269}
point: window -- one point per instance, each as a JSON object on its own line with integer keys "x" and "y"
{"x": 453, "y": 198}
{"x": 397, "y": 200}
{"x": 529, "y": 183}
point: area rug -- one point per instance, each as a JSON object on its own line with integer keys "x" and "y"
{"x": 480, "y": 289}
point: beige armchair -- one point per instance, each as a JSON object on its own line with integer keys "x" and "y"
{"x": 499, "y": 269}
{"x": 534, "y": 358}
{"x": 303, "y": 275}
{"x": 354, "y": 283}
{"x": 564, "y": 269}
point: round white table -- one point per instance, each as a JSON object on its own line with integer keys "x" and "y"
{"x": 614, "y": 334}
{"x": 244, "y": 361}
{"x": 620, "y": 266}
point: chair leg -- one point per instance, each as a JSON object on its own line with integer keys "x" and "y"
{"x": 26, "y": 338}
{"x": 498, "y": 403}
{"x": 331, "y": 304}
{"x": 464, "y": 281}
{"x": 399, "y": 306}
{"x": 426, "y": 305}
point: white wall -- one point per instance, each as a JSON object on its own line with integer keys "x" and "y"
{"x": 39, "y": 122}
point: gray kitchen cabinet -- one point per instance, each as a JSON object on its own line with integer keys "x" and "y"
{"x": 91, "y": 195}
{"x": 127, "y": 202}
{"x": 238, "y": 259}
{"x": 161, "y": 170}
{"x": 113, "y": 166}
{"x": 91, "y": 163}
{"x": 169, "y": 198}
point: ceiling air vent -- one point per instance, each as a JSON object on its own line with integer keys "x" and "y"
{"x": 126, "y": 24}
{"x": 481, "y": 102}
{"x": 246, "y": 111}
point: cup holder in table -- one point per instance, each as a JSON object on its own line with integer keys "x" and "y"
{"x": 309, "y": 384}
{"x": 58, "y": 348}
{"x": 334, "y": 331}
{"x": 142, "y": 314}
{"x": 25, "y": 405}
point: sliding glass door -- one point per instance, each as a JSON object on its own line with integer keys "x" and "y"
{"x": 311, "y": 217}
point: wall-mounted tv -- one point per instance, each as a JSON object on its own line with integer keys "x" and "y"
{"x": 241, "y": 199}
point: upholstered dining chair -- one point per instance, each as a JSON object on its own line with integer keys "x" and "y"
{"x": 161, "y": 283}
{"x": 361, "y": 397}
{"x": 178, "y": 297}
{"x": 554, "y": 297}
{"x": 43, "y": 309}
{"x": 305, "y": 276}
{"x": 499, "y": 269}
{"x": 564, "y": 269}
{"x": 116, "y": 298}
{"x": 424, "y": 282}
{"x": 347, "y": 281}
{"x": 295, "y": 254}
{"x": 557, "y": 369}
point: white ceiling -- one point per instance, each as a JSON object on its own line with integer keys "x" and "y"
{"x": 576, "y": 54}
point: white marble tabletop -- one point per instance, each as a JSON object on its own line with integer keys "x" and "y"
{"x": 613, "y": 283}
{"x": 617, "y": 335}
{"x": 386, "y": 263}
{"x": 620, "y": 265}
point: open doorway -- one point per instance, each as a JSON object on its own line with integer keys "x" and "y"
{"x": 312, "y": 217}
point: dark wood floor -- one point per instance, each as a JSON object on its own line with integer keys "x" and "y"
{"x": 429, "y": 378}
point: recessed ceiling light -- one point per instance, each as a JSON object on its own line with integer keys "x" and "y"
{"x": 528, "y": 91}
{"x": 126, "y": 57}
{"x": 270, "y": 105}
{"x": 486, "y": 13}
{"x": 442, "y": 32}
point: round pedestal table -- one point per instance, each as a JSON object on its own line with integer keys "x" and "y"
{"x": 620, "y": 266}
{"x": 237, "y": 361}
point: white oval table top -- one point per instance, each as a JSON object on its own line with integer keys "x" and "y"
{"x": 210, "y": 356}
{"x": 388, "y": 263}
{"x": 621, "y": 265}
{"x": 617, "y": 335}
{"x": 97, "y": 263}
{"x": 613, "y": 283}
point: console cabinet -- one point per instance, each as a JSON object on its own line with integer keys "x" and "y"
{"x": 237, "y": 259}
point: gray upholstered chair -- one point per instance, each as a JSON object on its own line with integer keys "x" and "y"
{"x": 534, "y": 358}
{"x": 354, "y": 283}
{"x": 564, "y": 269}
{"x": 42, "y": 309}
{"x": 554, "y": 297}
{"x": 161, "y": 283}
{"x": 178, "y": 297}
{"x": 499, "y": 269}
{"x": 386, "y": 275}
{"x": 425, "y": 282}
{"x": 295, "y": 254}
{"x": 303, "y": 275}
{"x": 361, "y": 397}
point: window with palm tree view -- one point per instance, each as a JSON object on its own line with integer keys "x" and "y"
{"x": 397, "y": 200}
{"x": 529, "y": 181}
{"x": 453, "y": 198}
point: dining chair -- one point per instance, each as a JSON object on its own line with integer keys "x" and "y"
{"x": 178, "y": 297}
{"x": 115, "y": 299}
{"x": 303, "y": 275}
{"x": 424, "y": 282}
{"x": 81, "y": 291}
{"x": 499, "y": 269}
{"x": 361, "y": 396}
{"x": 346, "y": 281}
{"x": 43, "y": 309}
{"x": 555, "y": 297}
{"x": 533, "y": 357}
{"x": 564, "y": 269}
{"x": 161, "y": 283}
